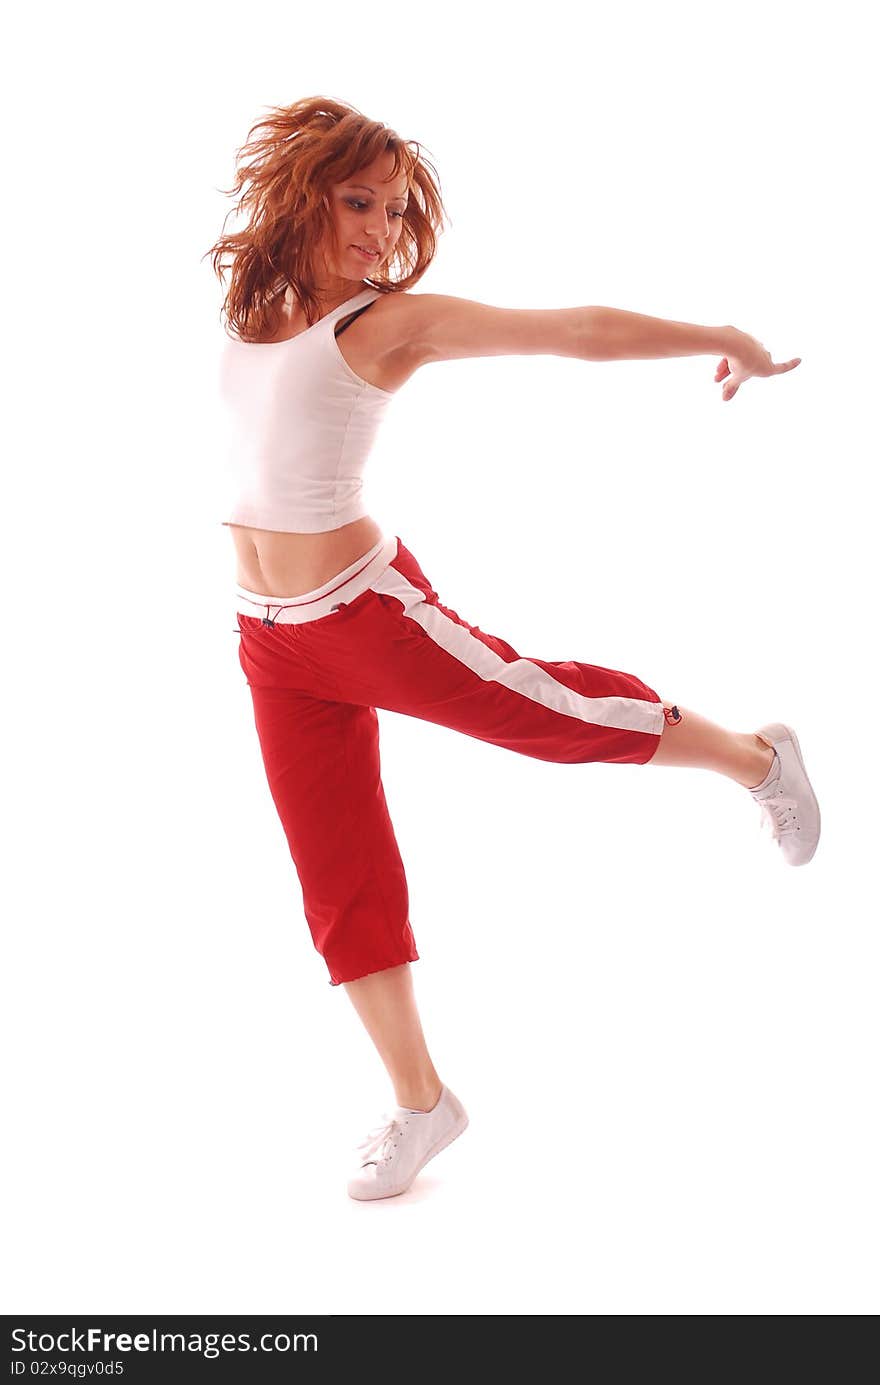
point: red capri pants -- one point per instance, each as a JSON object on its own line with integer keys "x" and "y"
{"x": 376, "y": 635}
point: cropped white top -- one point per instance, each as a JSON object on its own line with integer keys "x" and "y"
{"x": 301, "y": 424}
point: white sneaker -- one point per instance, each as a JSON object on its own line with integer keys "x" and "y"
{"x": 787, "y": 802}
{"x": 393, "y": 1153}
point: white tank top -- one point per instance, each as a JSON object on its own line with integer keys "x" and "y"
{"x": 300, "y": 425}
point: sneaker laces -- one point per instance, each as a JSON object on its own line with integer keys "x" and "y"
{"x": 777, "y": 813}
{"x": 379, "y": 1141}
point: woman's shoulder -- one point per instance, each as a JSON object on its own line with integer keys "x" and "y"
{"x": 396, "y": 314}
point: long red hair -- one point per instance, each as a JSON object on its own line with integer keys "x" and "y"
{"x": 287, "y": 165}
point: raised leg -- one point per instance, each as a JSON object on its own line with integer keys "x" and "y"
{"x": 689, "y": 740}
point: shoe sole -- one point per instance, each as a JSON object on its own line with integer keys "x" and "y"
{"x": 437, "y": 1147}
{"x": 772, "y": 732}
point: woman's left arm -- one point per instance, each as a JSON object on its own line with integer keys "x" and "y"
{"x": 436, "y": 327}
{"x": 615, "y": 334}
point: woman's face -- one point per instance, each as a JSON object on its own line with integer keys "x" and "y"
{"x": 367, "y": 215}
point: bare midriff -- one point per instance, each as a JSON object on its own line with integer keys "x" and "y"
{"x": 283, "y": 564}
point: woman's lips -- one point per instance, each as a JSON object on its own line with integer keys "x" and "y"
{"x": 371, "y": 258}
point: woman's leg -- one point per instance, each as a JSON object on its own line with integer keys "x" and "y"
{"x": 386, "y": 1003}
{"x": 690, "y": 740}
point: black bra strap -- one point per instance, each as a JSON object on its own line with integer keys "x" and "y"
{"x": 348, "y": 321}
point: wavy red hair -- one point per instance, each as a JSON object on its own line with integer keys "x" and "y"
{"x": 288, "y": 164}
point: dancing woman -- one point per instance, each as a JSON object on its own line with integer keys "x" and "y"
{"x": 336, "y": 619}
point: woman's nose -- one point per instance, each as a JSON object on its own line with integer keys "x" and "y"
{"x": 379, "y": 229}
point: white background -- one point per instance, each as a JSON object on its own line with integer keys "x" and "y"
{"x": 666, "y": 1039}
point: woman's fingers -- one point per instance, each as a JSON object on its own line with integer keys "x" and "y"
{"x": 723, "y": 371}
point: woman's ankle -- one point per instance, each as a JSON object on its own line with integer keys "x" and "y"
{"x": 756, "y": 766}
{"x": 418, "y": 1096}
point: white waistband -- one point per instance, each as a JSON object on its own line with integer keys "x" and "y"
{"x": 338, "y": 591}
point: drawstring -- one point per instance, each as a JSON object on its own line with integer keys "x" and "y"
{"x": 264, "y": 620}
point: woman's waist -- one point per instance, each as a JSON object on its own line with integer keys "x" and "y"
{"x": 290, "y": 564}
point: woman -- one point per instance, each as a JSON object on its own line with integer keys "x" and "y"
{"x": 336, "y": 620}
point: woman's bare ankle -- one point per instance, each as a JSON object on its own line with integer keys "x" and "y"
{"x": 755, "y": 771}
{"x": 422, "y": 1097}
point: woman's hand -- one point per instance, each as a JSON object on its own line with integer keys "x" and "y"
{"x": 745, "y": 358}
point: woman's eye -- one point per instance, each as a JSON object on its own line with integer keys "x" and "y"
{"x": 357, "y": 207}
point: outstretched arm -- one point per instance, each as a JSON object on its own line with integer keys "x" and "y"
{"x": 621, "y": 335}
{"x": 441, "y": 328}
